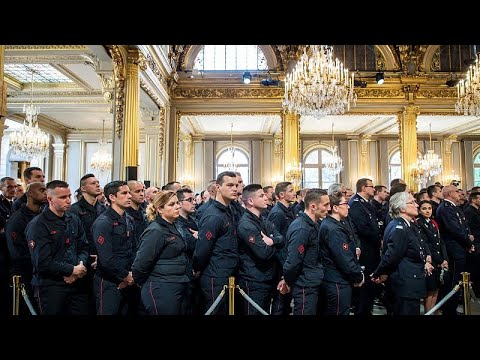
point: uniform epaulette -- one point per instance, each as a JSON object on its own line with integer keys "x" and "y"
{"x": 355, "y": 199}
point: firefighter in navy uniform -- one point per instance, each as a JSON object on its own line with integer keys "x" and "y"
{"x": 161, "y": 264}
{"x": 458, "y": 240}
{"x": 59, "y": 251}
{"x": 364, "y": 217}
{"x": 88, "y": 209}
{"x": 303, "y": 270}
{"x": 256, "y": 238}
{"x": 338, "y": 253}
{"x": 114, "y": 235}
{"x": 281, "y": 216}
{"x": 188, "y": 228}
{"x": 216, "y": 251}
{"x": 136, "y": 209}
{"x": 16, "y": 241}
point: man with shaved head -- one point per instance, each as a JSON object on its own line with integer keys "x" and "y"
{"x": 458, "y": 239}
{"x": 136, "y": 209}
{"x": 150, "y": 194}
{"x": 15, "y": 234}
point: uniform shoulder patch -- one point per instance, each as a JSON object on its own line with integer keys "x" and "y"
{"x": 345, "y": 246}
{"x": 171, "y": 238}
{"x": 13, "y": 235}
{"x": 399, "y": 227}
{"x": 251, "y": 239}
{"x": 101, "y": 240}
{"x": 31, "y": 243}
{"x": 208, "y": 235}
{"x": 67, "y": 241}
{"x": 301, "y": 249}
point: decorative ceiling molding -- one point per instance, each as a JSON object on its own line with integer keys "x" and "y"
{"x": 150, "y": 93}
{"x": 379, "y": 93}
{"x": 24, "y": 94}
{"x": 437, "y": 93}
{"x": 45, "y": 59}
{"x": 228, "y": 93}
{"x": 45, "y": 47}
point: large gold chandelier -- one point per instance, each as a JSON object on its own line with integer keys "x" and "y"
{"x": 29, "y": 141}
{"x": 101, "y": 159}
{"x": 319, "y": 85}
{"x": 468, "y": 91}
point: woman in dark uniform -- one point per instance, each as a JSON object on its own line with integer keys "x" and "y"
{"x": 160, "y": 266}
{"x": 404, "y": 259}
{"x": 338, "y": 253}
{"x": 430, "y": 233}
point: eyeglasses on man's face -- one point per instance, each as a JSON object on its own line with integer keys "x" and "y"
{"x": 369, "y": 186}
{"x": 189, "y": 200}
{"x": 343, "y": 203}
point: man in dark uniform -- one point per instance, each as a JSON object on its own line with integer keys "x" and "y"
{"x": 188, "y": 228}
{"x": 256, "y": 238}
{"x": 436, "y": 196}
{"x": 378, "y": 202}
{"x": 59, "y": 251}
{"x": 30, "y": 174}
{"x": 303, "y": 270}
{"x": 281, "y": 216}
{"x": 212, "y": 190}
{"x": 88, "y": 209}
{"x": 364, "y": 217}
{"x": 114, "y": 236}
{"x": 136, "y": 209}
{"x": 472, "y": 215}
{"x": 458, "y": 240}
{"x": 16, "y": 241}
{"x": 216, "y": 250}
{"x": 236, "y": 206}
{"x": 7, "y": 193}
{"x": 269, "y": 194}
{"x": 300, "y": 204}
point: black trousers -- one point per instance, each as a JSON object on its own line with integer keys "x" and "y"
{"x": 68, "y": 299}
{"x": 260, "y": 293}
{"x": 163, "y": 298}
{"x": 305, "y": 300}
{"x": 406, "y": 306}
{"x": 112, "y": 301}
{"x": 211, "y": 288}
{"x": 338, "y": 298}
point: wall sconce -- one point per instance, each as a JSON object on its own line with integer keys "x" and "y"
{"x": 294, "y": 174}
{"x": 247, "y": 77}
{"x": 380, "y": 78}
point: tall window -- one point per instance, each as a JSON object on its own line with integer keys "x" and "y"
{"x": 476, "y": 170}
{"x": 230, "y": 57}
{"x": 241, "y": 159}
{"x": 395, "y": 166}
{"x": 314, "y": 174}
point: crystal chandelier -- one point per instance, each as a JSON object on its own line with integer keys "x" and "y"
{"x": 101, "y": 159}
{"x": 468, "y": 91}
{"x": 29, "y": 141}
{"x": 230, "y": 161}
{"x": 319, "y": 85}
{"x": 334, "y": 164}
{"x": 430, "y": 165}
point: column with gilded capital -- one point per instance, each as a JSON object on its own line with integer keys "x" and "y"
{"x": 131, "y": 132}
{"x": 58, "y": 162}
{"x": 291, "y": 149}
{"x": 3, "y": 93}
{"x": 407, "y": 121}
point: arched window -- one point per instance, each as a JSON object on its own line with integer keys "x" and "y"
{"x": 240, "y": 159}
{"x": 230, "y": 57}
{"x": 314, "y": 174}
{"x": 476, "y": 169}
{"x": 395, "y": 166}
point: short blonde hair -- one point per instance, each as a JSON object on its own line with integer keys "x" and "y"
{"x": 158, "y": 202}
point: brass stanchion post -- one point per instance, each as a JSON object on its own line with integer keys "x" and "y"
{"x": 231, "y": 295}
{"x": 466, "y": 293}
{"x": 16, "y": 294}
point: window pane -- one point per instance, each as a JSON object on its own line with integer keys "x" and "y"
{"x": 311, "y": 177}
{"x": 312, "y": 157}
{"x": 327, "y": 178}
{"x": 395, "y": 172}
{"x": 326, "y": 156}
{"x": 395, "y": 159}
{"x": 231, "y": 57}
{"x": 476, "y": 175}
{"x": 476, "y": 160}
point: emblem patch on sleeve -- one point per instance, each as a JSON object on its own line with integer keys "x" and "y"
{"x": 101, "y": 240}
{"x": 301, "y": 249}
{"x": 345, "y": 246}
{"x": 31, "y": 243}
{"x": 208, "y": 235}
{"x": 13, "y": 235}
{"x": 251, "y": 239}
